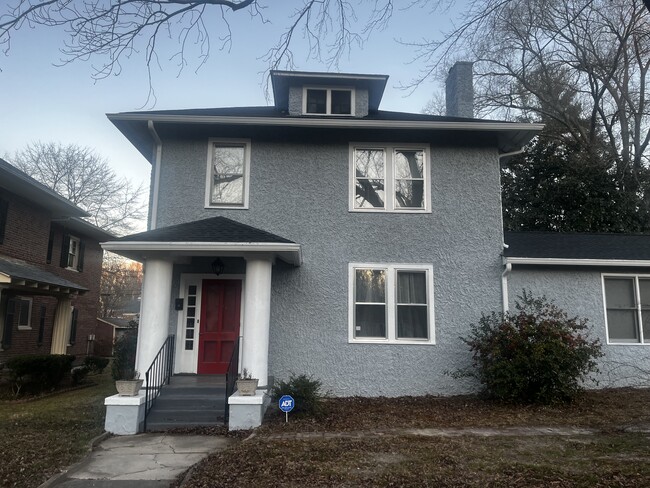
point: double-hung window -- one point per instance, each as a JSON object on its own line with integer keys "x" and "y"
{"x": 23, "y": 313}
{"x": 328, "y": 101}
{"x": 627, "y": 308}
{"x": 389, "y": 178}
{"x": 391, "y": 303}
{"x": 228, "y": 174}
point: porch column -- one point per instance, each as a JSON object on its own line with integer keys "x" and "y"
{"x": 257, "y": 317}
{"x": 154, "y": 312}
{"x": 61, "y": 329}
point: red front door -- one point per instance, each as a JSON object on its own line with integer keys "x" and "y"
{"x": 219, "y": 326}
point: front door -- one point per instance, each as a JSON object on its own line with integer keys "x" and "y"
{"x": 219, "y": 326}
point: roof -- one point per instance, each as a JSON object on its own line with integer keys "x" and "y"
{"x": 18, "y": 182}
{"x": 21, "y": 273}
{"x": 544, "y": 247}
{"x": 86, "y": 228}
{"x": 208, "y": 237}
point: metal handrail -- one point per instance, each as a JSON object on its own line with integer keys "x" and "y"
{"x": 158, "y": 374}
{"x": 231, "y": 377}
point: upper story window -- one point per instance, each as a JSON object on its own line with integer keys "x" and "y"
{"x": 391, "y": 303}
{"x": 627, "y": 308}
{"x": 389, "y": 178}
{"x": 228, "y": 174}
{"x": 328, "y": 101}
{"x": 72, "y": 253}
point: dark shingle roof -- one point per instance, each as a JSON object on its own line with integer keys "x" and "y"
{"x": 215, "y": 229}
{"x": 577, "y": 246}
{"x": 22, "y": 270}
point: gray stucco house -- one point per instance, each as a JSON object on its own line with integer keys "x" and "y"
{"x": 326, "y": 236}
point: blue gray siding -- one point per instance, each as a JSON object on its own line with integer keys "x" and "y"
{"x": 301, "y": 192}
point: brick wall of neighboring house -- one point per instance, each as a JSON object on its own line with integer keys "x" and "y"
{"x": 27, "y": 233}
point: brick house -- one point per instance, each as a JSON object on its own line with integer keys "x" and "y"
{"x": 50, "y": 269}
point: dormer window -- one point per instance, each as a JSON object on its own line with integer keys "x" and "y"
{"x": 328, "y": 101}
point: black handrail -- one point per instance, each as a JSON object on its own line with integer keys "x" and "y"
{"x": 231, "y": 378}
{"x": 158, "y": 374}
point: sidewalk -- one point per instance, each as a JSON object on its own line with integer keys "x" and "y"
{"x": 142, "y": 461}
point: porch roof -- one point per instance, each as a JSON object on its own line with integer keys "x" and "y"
{"x": 216, "y": 235}
{"x": 30, "y": 277}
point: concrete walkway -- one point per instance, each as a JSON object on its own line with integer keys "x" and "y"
{"x": 142, "y": 461}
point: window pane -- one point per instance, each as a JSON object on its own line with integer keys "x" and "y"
{"x": 228, "y": 171}
{"x": 228, "y": 189}
{"x": 622, "y": 325}
{"x": 341, "y": 102}
{"x": 409, "y": 194}
{"x": 369, "y": 163}
{"x": 191, "y": 311}
{"x": 190, "y": 323}
{"x": 412, "y": 322}
{"x": 191, "y": 301}
{"x": 619, "y": 292}
{"x": 411, "y": 287}
{"x": 191, "y": 290}
{"x": 189, "y": 345}
{"x": 228, "y": 159}
{"x": 370, "y": 285}
{"x": 316, "y": 101}
{"x": 370, "y": 194}
{"x": 645, "y": 319}
{"x": 644, "y": 290}
{"x": 370, "y": 321}
{"x": 409, "y": 164}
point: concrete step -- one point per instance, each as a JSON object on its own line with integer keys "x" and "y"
{"x": 164, "y": 426}
{"x": 165, "y": 403}
{"x": 179, "y": 416}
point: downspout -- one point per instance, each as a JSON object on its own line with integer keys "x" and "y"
{"x": 511, "y": 153}
{"x": 504, "y": 285}
{"x": 157, "y": 157}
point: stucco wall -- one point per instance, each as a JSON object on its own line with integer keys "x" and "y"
{"x": 301, "y": 192}
{"x": 579, "y": 292}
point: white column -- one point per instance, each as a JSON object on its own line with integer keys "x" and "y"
{"x": 257, "y": 317}
{"x": 154, "y": 312}
{"x": 61, "y": 329}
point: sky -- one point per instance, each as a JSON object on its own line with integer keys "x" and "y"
{"x": 40, "y": 101}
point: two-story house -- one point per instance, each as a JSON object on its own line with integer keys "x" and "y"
{"x": 335, "y": 238}
{"x": 50, "y": 268}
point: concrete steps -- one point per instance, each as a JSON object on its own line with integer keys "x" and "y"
{"x": 189, "y": 401}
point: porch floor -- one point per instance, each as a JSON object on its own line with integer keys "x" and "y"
{"x": 189, "y": 401}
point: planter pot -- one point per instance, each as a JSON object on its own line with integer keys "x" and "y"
{"x": 128, "y": 387}
{"x": 247, "y": 387}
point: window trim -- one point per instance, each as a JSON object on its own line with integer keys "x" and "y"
{"x": 637, "y": 299}
{"x": 328, "y": 100}
{"x": 29, "y": 313}
{"x": 391, "y": 303}
{"x": 389, "y": 183}
{"x": 208, "y": 175}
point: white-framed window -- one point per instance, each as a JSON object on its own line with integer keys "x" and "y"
{"x": 391, "y": 303}
{"x": 627, "y": 308}
{"x": 228, "y": 173}
{"x": 23, "y": 313}
{"x": 73, "y": 252}
{"x": 328, "y": 101}
{"x": 390, "y": 178}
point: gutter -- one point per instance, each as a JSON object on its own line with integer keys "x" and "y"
{"x": 157, "y": 158}
{"x": 640, "y": 263}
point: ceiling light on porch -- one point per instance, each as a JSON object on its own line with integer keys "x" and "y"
{"x": 218, "y": 266}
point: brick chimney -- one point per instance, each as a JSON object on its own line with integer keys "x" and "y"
{"x": 460, "y": 90}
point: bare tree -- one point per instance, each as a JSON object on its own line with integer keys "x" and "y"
{"x": 77, "y": 173}
{"x": 121, "y": 284}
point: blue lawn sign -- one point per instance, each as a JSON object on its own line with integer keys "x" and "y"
{"x": 286, "y": 404}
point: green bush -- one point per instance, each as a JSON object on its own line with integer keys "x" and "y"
{"x": 536, "y": 354}
{"x": 38, "y": 373}
{"x": 306, "y": 392}
{"x": 96, "y": 364}
{"x": 123, "y": 367}
{"x": 79, "y": 373}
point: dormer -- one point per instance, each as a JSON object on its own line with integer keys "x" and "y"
{"x": 327, "y": 94}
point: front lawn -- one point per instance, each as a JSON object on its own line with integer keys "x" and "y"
{"x": 38, "y": 438}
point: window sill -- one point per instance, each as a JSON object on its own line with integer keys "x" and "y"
{"x": 24, "y": 327}
{"x": 227, "y": 207}
{"x": 628, "y": 343}
{"x": 383, "y": 210}
{"x": 392, "y": 343}
{"x": 72, "y": 269}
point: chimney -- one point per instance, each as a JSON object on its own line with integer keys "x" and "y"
{"x": 460, "y": 90}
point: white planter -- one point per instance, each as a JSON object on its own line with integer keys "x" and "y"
{"x": 128, "y": 387}
{"x": 247, "y": 387}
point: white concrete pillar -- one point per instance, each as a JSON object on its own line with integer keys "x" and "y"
{"x": 257, "y": 318}
{"x": 61, "y": 329}
{"x": 154, "y": 312}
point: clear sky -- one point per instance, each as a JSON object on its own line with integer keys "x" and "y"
{"x": 43, "y": 102}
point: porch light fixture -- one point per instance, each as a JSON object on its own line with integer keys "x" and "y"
{"x": 218, "y": 266}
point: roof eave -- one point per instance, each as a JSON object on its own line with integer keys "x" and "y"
{"x": 635, "y": 263}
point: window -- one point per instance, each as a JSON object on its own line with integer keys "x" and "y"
{"x": 627, "y": 308}
{"x": 72, "y": 253}
{"x": 391, "y": 303}
{"x": 22, "y": 313}
{"x": 389, "y": 178}
{"x": 228, "y": 167}
{"x": 328, "y": 101}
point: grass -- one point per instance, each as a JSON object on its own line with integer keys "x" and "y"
{"x": 40, "y": 437}
{"x": 384, "y": 456}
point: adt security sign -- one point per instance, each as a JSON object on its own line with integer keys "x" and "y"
{"x": 286, "y": 404}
